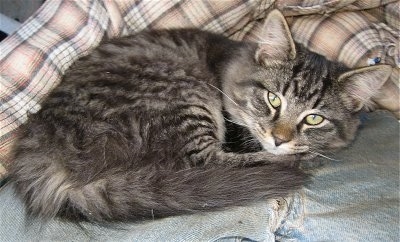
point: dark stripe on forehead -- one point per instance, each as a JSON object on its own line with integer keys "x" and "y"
{"x": 285, "y": 87}
{"x": 295, "y": 83}
{"x": 297, "y": 71}
{"x": 313, "y": 93}
{"x": 317, "y": 102}
{"x": 322, "y": 93}
{"x": 298, "y": 67}
{"x": 278, "y": 85}
{"x": 310, "y": 76}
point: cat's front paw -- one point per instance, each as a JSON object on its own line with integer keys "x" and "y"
{"x": 294, "y": 160}
{"x": 291, "y": 160}
{"x": 280, "y": 158}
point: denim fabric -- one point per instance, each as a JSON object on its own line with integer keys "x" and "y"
{"x": 354, "y": 198}
{"x": 250, "y": 223}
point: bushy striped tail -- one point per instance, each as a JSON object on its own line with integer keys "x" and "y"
{"x": 149, "y": 194}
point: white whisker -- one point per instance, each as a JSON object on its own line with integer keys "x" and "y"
{"x": 233, "y": 101}
{"x": 324, "y": 156}
{"x": 240, "y": 124}
{"x": 224, "y": 94}
{"x": 250, "y": 141}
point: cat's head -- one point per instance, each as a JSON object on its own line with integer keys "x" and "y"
{"x": 293, "y": 100}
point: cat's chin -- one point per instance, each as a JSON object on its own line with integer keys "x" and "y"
{"x": 283, "y": 150}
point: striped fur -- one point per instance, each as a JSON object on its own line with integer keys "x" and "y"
{"x": 136, "y": 129}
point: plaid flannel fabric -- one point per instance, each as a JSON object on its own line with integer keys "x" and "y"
{"x": 34, "y": 58}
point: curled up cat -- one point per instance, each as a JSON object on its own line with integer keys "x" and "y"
{"x": 137, "y": 129}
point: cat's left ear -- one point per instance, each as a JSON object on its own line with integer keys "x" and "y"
{"x": 275, "y": 42}
{"x": 360, "y": 85}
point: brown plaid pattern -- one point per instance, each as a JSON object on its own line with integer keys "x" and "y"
{"x": 392, "y": 15}
{"x": 347, "y": 37}
{"x": 34, "y": 58}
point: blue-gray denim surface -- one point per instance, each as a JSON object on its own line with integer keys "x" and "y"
{"x": 352, "y": 198}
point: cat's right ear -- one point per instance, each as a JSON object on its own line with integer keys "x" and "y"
{"x": 275, "y": 42}
{"x": 360, "y": 85}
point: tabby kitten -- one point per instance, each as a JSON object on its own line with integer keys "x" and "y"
{"x": 136, "y": 129}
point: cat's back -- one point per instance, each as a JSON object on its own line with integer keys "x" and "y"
{"x": 147, "y": 73}
{"x": 132, "y": 64}
{"x": 147, "y": 48}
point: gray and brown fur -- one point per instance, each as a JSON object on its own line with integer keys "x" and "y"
{"x": 136, "y": 129}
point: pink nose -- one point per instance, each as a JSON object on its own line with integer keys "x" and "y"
{"x": 279, "y": 141}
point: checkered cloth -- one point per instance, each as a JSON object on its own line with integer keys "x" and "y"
{"x": 33, "y": 59}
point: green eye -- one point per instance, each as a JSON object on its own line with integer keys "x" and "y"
{"x": 314, "y": 119}
{"x": 274, "y": 100}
